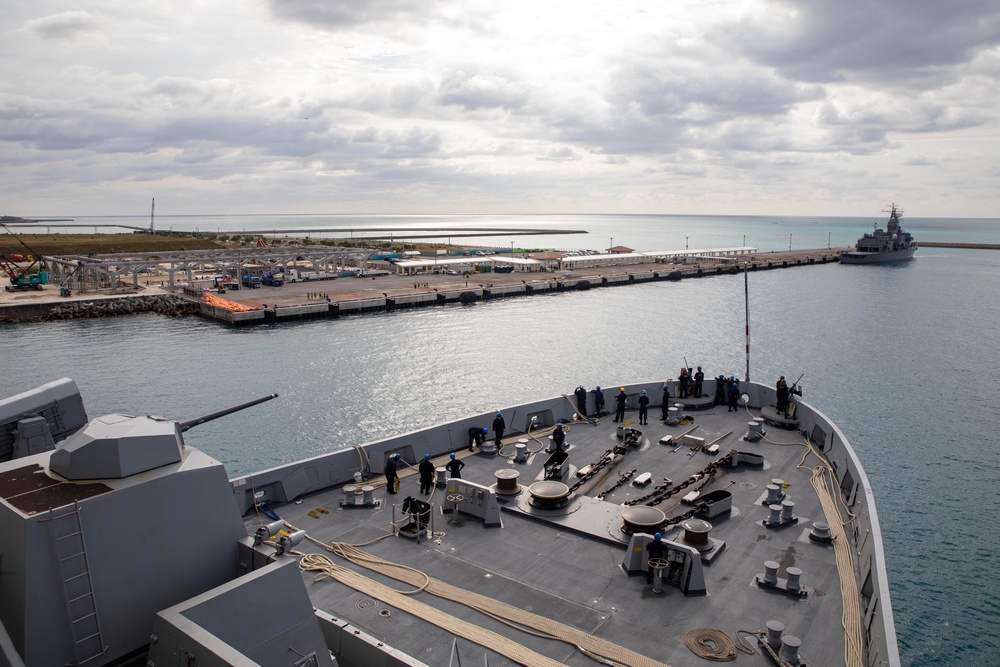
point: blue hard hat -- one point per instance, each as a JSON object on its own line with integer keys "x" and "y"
{"x": 666, "y": 386}
{"x": 452, "y": 456}
{"x": 598, "y": 387}
{"x": 396, "y": 455}
{"x": 426, "y": 456}
{"x": 644, "y": 391}
{"x": 558, "y": 425}
{"x": 499, "y": 415}
{"x": 485, "y": 431}
{"x": 657, "y": 537}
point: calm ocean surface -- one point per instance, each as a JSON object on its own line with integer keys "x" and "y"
{"x": 903, "y": 358}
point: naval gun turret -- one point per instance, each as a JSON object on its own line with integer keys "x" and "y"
{"x": 120, "y": 521}
{"x": 117, "y": 446}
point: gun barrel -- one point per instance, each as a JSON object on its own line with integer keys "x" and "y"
{"x": 191, "y": 423}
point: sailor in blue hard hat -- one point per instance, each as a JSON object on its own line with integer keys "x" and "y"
{"x": 426, "y": 469}
{"x": 655, "y": 549}
{"x": 477, "y": 436}
{"x": 599, "y": 401}
{"x": 455, "y": 467}
{"x": 499, "y": 425}
{"x": 665, "y": 402}
{"x": 558, "y": 438}
{"x": 643, "y": 408}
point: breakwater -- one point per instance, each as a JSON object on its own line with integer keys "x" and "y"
{"x": 968, "y": 246}
{"x": 104, "y": 306}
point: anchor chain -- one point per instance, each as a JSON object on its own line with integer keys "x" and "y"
{"x": 625, "y": 476}
{"x": 595, "y": 468}
{"x": 662, "y": 491}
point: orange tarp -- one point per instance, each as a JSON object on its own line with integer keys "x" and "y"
{"x": 219, "y": 302}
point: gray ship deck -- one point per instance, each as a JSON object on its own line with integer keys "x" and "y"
{"x": 556, "y": 570}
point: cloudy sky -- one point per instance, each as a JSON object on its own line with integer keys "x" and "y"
{"x": 520, "y": 106}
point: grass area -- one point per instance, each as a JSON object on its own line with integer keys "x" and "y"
{"x": 99, "y": 244}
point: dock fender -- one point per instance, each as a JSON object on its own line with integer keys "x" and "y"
{"x": 584, "y": 284}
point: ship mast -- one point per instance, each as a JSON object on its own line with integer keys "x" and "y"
{"x": 746, "y": 310}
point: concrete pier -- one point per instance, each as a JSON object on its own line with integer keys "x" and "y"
{"x": 351, "y": 296}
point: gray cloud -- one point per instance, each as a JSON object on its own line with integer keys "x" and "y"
{"x": 480, "y": 90}
{"x": 64, "y": 25}
{"x": 342, "y": 14}
{"x": 877, "y": 41}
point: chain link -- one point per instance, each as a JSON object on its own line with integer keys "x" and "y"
{"x": 606, "y": 459}
{"x": 664, "y": 491}
{"x": 625, "y": 476}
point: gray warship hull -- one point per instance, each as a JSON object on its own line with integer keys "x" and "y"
{"x": 768, "y": 521}
{"x": 855, "y": 257}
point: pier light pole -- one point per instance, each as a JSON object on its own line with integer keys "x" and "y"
{"x": 685, "y": 243}
{"x": 789, "y": 241}
{"x": 744, "y": 240}
{"x": 828, "y": 235}
{"x": 612, "y": 244}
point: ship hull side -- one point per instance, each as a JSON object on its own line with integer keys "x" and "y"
{"x": 876, "y": 257}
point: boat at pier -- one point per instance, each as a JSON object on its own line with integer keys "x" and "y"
{"x": 891, "y": 244}
{"x": 123, "y": 543}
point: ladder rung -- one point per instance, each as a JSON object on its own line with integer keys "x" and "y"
{"x": 88, "y": 594}
{"x": 63, "y": 560}
{"x": 96, "y": 634}
{"x": 85, "y": 574}
{"x": 69, "y": 535}
{"x": 84, "y": 618}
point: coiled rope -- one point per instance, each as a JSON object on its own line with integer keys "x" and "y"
{"x": 712, "y": 644}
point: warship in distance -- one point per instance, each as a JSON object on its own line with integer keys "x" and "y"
{"x": 123, "y": 545}
{"x": 891, "y": 244}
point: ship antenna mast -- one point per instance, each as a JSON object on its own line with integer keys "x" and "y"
{"x": 746, "y": 310}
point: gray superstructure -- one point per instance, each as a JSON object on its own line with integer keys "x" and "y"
{"x": 125, "y": 543}
{"x": 891, "y": 244}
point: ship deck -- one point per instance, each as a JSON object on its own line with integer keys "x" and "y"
{"x": 567, "y": 565}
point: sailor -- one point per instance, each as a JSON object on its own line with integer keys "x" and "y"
{"x": 581, "y": 401}
{"x": 477, "y": 436}
{"x": 665, "y": 405}
{"x": 391, "y": 478}
{"x": 720, "y": 390}
{"x": 684, "y": 379}
{"x": 620, "y": 399}
{"x": 455, "y": 467}
{"x": 734, "y": 395}
{"x": 656, "y": 549}
{"x": 498, "y": 427}
{"x": 558, "y": 438}
{"x": 699, "y": 378}
{"x": 782, "y": 390}
{"x": 599, "y": 402}
{"x": 643, "y": 408}
{"x": 426, "y": 469}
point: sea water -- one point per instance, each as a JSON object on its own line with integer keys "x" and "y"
{"x": 901, "y": 356}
